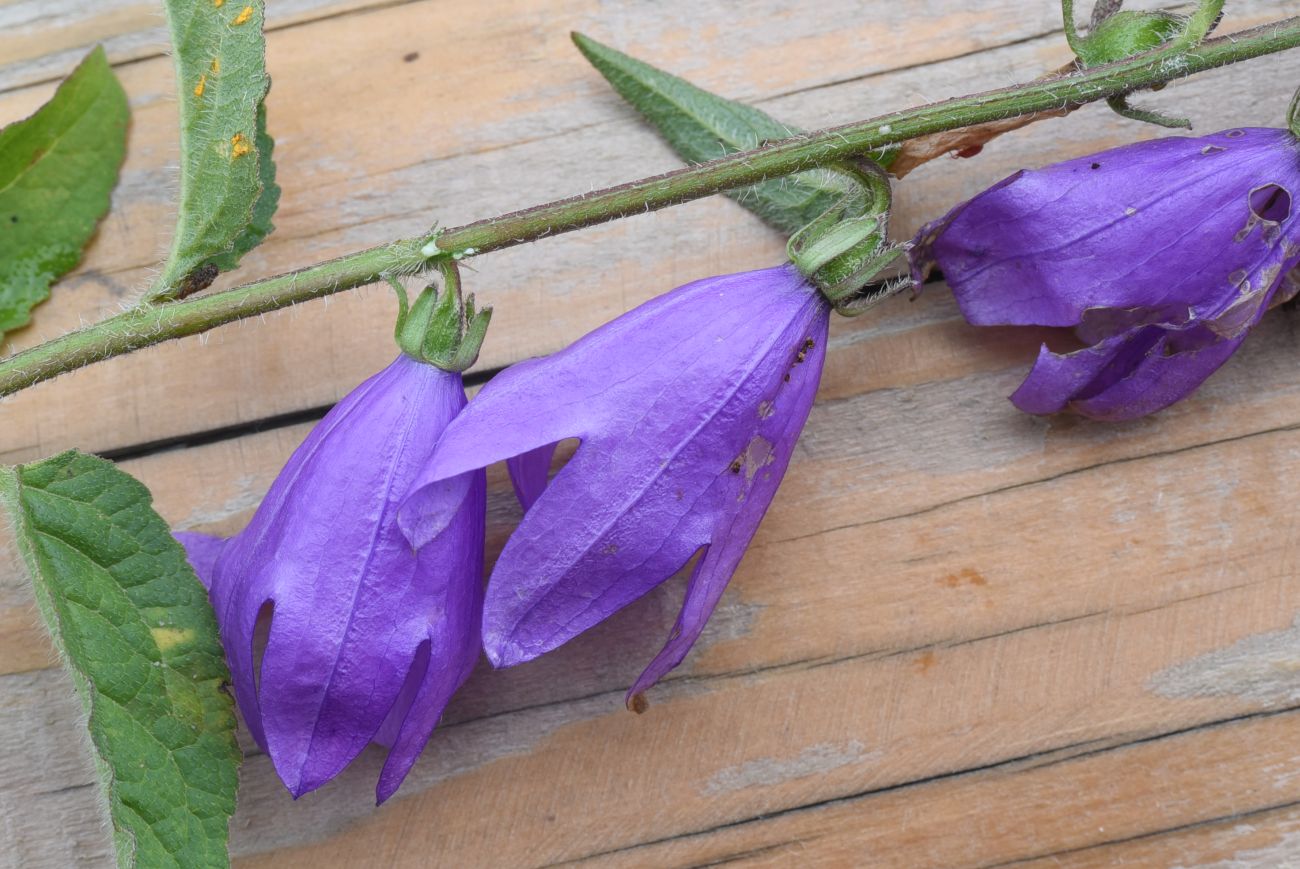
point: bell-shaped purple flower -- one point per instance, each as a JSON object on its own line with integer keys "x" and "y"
{"x": 369, "y": 635}
{"x": 687, "y": 410}
{"x": 1161, "y": 255}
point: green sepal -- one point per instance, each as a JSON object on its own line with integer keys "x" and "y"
{"x": 1293, "y": 114}
{"x": 701, "y": 126}
{"x": 1125, "y": 34}
{"x": 440, "y": 328}
{"x": 57, "y": 171}
{"x": 845, "y": 250}
{"x": 136, "y": 633}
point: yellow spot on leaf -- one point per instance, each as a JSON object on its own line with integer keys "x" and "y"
{"x": 243, "y": 16}
{"x": 170, "y": 638}
{"x": 203, "y": 83}
{"x": 218, "y": 3}
{"x": 239, "y": 146}
{"x": 216, "y": 65}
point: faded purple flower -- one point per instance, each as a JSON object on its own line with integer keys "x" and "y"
{"x": 1161, "y": 254}
{"x": 687, "y": 409}
{"x": 369, "y": 634}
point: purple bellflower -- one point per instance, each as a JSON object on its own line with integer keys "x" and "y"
{"x": 370, "y": 635}
{"x": 1162, "y": 255}
{"x": 687, "y": 410}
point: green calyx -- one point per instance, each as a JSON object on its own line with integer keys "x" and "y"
{"x": 1125, "y": 34}
{"x": 440, "y": 329}
{"x": 847, "y": 247}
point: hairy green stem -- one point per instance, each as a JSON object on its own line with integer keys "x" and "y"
{"x": 153, "y": 324}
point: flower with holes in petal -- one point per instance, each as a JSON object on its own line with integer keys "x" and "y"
{"x": 687, "y": 410}
{"x": 1162, "y": 255}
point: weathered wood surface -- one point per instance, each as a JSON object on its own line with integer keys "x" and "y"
{"x": 963, "y": 637}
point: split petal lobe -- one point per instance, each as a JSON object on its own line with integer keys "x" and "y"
{"x": 201, "y": 550}
{"x": 734, "y": 532}
{"x": 529, "y": 472}
{"x": 1159, "y": 380}
{"x": 352, "y": 600}
{"x": 455, "y": 560}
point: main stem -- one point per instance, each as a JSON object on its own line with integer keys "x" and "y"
{"x": 149, "y": 324}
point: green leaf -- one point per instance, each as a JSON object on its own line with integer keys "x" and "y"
{"x": 702, "y": 126}
{"x": 260, "y": 226}
{"x": 228, "y": 191}
{"x": 57, "y": 169}
{"x": 134, "y": 627}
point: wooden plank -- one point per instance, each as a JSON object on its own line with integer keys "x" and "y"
{"x": 988, "y": 637}
{"x": 42, "y": 40}
{"x": 378, "y": 178}
{"x": 963, "y": 636}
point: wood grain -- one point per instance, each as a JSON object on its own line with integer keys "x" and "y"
{"x": 963, "y": 637}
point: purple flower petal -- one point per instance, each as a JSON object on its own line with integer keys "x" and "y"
{"x": 1162, "y": 254}
{"x": 355, "y": 606}
{"x": 687, "y": 409}
{"x": 201, "y": 550}
{"x": 720, "y": 559}
{"x": 529, "y": 472}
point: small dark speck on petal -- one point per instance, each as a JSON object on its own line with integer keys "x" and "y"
{"x": 1235, "y": 134}
{"x": 411, "y": 57}
{"x": 1096, "y": 165}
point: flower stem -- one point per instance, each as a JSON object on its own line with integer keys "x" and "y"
{"x": 152, "y": 324}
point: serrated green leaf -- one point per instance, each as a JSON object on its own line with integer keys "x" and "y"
{"x": 134, "y": 627}
{"x": 228, "y": 188}
{"x": 702, "y": 126}
{"x": 57, "y": 169}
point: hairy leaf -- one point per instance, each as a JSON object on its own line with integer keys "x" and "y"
{"x": 702, "y": 126}
{"x": 228, "y": 191}
{"x": 260, "y": 226}
{"x": 134, "y": 627}
{"x": 57, "y": 169}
